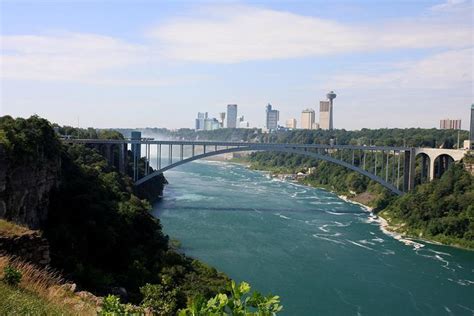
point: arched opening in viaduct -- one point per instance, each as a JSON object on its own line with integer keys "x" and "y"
{"x": 422, "y": 168}
{"x": 441, "y": 164}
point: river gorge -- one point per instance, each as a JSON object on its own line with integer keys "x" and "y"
{"x": 321, "y": 254}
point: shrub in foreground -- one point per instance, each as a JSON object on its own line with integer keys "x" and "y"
{"x": 11, "y": 276}
{"x": 240, "y": 302}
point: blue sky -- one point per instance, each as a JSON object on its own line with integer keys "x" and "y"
{"x": 157, "y": 63}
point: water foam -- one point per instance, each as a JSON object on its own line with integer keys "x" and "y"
{"x": 359, "y": 245}
{"x": 325, "y": 237}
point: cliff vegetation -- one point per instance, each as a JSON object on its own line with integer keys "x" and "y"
{"x": 442, "y": 210}
{"x": 100, "y": 232}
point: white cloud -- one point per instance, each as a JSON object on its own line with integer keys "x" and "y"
{"x": 235, "y": 34}
{"x": 448, "y": 5}
{"x": 224, "y": 35}
{"x": 447, "y": 70}
{"x": 65, "y": 56}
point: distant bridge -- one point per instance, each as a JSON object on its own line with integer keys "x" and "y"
{"x": 392, "y": 167}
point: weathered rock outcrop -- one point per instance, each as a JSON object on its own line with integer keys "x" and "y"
{"x": 29, "y": 246}
{"x": 25, "y": 189}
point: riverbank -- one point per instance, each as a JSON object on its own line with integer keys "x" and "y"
{"x": 395, "y": 227}
{"x": 399, "y": 228}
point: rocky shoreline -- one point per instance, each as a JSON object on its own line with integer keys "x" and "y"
{"x": 386, "y": 228}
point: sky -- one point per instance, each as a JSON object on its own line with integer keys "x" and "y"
{"x": 144, "y": 63}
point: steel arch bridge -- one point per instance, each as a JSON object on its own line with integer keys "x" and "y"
{"x": 283, "y": 149}
{"x": 392, "y": 167}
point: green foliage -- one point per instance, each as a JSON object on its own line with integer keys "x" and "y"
{"x": 11, "y": 276}
{"x": 96, "y": 206}
{"x": 239, "y": 302}
{"x": 100, "y": 232}
{"x": 28, "y": 140}
{"x": 102, "y": 235}
{"x": 182, "y": 281}
{"x": 442, "y": 209}
{"x": 89, "y": 133}
{"x": 469, "y": 157}
{"x": 163, "y": 298}
{"x": 411, "y": 137}
{"x": 111, "y": 306}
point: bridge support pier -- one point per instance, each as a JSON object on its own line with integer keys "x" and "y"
{"x": 409, "y": 170}
{"x": 424, "y": 165}
{"x": 431, "y": 168}
{"x": 122, "y": 158}
{"x": 109, "y": 154}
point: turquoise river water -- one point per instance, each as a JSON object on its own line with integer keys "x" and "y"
{"x": 322, "y": 255}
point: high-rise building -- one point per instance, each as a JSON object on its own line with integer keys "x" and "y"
{"x": 471, "y": 130}
{"x": 200, "y": 120}
{"x": 221, "y": 118}
{"x": 324, "y": 119}
{"x": 211, "y": 124}
{"x": 231, "y": 115}
{"x": 326, "y": 112}
{"x": 307, "y": 119}
{"x": 449, "y": 124}
{"x": 291, "y": 123}
{"x": 272, "y": 117}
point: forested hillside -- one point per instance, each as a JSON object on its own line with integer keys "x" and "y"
{"x": 101, "y": 234}
{"x": 442, "y": 210}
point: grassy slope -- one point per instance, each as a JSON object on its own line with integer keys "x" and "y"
{"x": 16, "y": 301}
{"x": 11, "y": 229}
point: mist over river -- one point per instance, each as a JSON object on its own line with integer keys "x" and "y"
{"x": 322, "y": 255}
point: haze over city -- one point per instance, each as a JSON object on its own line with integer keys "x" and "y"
{"x": 146, "y": 63}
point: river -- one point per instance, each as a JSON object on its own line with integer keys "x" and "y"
{"x": 320, "y": 254}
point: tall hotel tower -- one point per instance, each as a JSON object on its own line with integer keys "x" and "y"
{"x": 231, "y": 115}
{"x": 307, "y": 119}
{"x": 471, "y": 131}
{"x": 271, "y": 118}
{"x": 326, "y": 112}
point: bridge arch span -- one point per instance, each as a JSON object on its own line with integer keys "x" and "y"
{"x": 282, "y": 149}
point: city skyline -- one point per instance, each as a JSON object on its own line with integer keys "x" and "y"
{"x": 136, "y": 64}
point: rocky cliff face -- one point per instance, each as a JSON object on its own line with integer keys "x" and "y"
{"x": 25, "y": 189}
